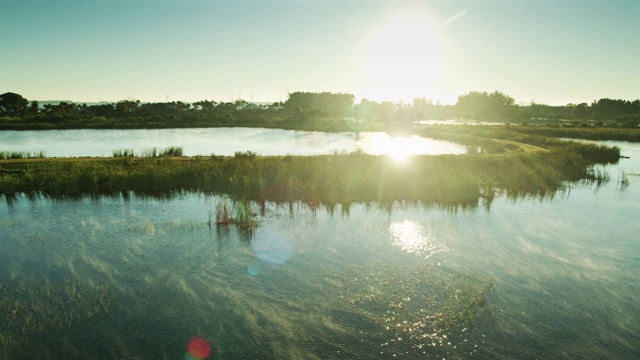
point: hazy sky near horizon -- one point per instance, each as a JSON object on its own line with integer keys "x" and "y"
{"x": 550, "y": 51}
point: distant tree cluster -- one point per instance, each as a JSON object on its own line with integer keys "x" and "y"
{"x": 301, "y": 108}
{"x": 499, "y": 107}
{"x": 326, "y": 110}
{"x": 323, "y": 104}
{"x": 475, "y": 105}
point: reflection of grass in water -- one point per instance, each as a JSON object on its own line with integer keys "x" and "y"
{"x": 36, "y": 309}
{"x": 421, "y": 305}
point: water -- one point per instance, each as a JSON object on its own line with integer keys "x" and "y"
{"x": 220, "y": 141}
{"x": 141, "y": 277}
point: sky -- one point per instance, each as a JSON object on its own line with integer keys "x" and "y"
{"x": 549, "y": 51}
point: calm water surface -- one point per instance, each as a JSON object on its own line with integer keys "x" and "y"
{"x": 220, "y": 141}
{"x": 140, "y": 277}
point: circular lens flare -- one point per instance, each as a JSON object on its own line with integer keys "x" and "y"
{"x": 272, "y": 247}
{"x": 199, "y": 348}
{"x": 253, "y": 270}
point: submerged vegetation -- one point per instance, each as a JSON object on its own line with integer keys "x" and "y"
{"x": 28, "y": 311}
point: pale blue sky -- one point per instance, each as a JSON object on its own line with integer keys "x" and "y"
{"x": 552, "y": 52}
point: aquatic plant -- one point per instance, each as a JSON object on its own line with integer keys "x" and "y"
{"x": 623, "y": 179}
{"x": 239, "y": 213}
{"x": 223, "y": 214}
{"x": 245, "y": 217}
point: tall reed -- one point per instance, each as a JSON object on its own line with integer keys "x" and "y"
{"x": 152, "y": 153}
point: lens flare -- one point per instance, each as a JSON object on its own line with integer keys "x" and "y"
{"x": 198, "y": 348}
{"x": 253, "y": 270}
{"x": 272, "y": 247}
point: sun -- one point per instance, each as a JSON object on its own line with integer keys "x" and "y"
{"x": 403, "y": 57}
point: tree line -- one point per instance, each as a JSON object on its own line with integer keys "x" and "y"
{"x": 499, "y": 107}
{"x": 325, "y": 110}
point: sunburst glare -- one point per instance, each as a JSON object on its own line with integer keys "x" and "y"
{"x": 402, "y": 147}
{"x": 403, "y": 58}
{"x": 399, "y": 148}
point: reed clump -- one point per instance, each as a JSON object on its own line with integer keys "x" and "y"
{"x": 152, "y": 153}
{"x": 238, "y": 213}
{"x": 123, "y": 153}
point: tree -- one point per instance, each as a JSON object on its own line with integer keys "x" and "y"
{"x": 34, "y": 107}
{"x": 127, "y": 106}
{"x": 205, "y": 104}
{"x": 482, "y": 105}
{"x": 336, "y": 104}
{"x": 12, "y": 104}
{"x": 580, "y": 111}
{"x": 182, "y": 106}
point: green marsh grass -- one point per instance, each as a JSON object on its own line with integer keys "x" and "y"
{"x": 509, "y": 161}
{"x": 332, "y": 179}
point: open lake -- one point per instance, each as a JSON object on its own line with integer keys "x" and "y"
{"x": 139, "y": 277}
{"x": 220, "y": 141}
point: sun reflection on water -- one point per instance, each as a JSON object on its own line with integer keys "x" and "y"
{"x": 411, "y": 237}
{"x": 402, "y": 147}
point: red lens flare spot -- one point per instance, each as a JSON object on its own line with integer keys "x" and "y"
{"x": 199, "y": 348}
